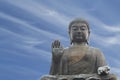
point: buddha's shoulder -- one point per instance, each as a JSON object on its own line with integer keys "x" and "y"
{"x": 91, "y": 48}
{"x": 94, "y": 48}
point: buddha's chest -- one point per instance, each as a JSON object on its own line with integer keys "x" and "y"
{"x": 77, "y": 54}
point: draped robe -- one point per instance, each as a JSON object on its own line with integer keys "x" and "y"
{"x": 79, "y": 59}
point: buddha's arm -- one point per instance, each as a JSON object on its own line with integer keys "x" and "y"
{"x": 57, "y": 51}
{"x": 100, "y": 59}
{"x": 102, "y": 67}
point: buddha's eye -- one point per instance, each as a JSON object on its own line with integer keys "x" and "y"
{"x": 74, "y": 28}
{"x": 83, "y": 28}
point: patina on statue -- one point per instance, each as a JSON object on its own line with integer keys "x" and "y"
{"x": 79, "y": 58}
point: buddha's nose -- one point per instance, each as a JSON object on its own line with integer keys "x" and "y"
{"x": 79, "y": 33}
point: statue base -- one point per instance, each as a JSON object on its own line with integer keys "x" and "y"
{"x": 78, "y": 77}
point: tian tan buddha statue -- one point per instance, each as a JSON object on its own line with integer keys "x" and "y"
{"x": 79, "y": 61}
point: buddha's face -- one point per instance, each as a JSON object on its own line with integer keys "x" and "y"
{"x": 79, "y": 32}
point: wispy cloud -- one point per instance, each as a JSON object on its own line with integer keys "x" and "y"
{"x": 34, "y": 42}
{"x": 115, "y": 61}
{"x": 8, "y": 32}
{"x": 112, "y": 28}
{"x": 36, "y": 52}
{"x": 42, "y": 11}
{"x": 31, "y": 28}
{"x": 26, "y": 40}
{"x": 21, "y": 43}
{"x": 108, "y": 41}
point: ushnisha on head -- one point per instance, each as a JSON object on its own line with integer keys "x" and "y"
{"x": 79, "y": 31}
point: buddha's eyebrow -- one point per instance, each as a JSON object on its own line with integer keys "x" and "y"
{"x": 74, "y": 26}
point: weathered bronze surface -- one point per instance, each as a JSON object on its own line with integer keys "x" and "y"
{"x": 79, "y": 57}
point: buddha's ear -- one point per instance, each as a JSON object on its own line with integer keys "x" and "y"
{"x": 88, "y": 37}
{"x": 70, "y": 36}
{"x": 69, "y": 32}
{"x": 88, "y": 33}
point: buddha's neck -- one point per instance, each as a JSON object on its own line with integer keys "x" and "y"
{"x": 79, "y": 44}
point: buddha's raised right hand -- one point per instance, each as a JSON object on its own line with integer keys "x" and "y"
{"x": 57, "y": 49}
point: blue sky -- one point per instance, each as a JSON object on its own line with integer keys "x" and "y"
{"x": 28, "y": 27}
